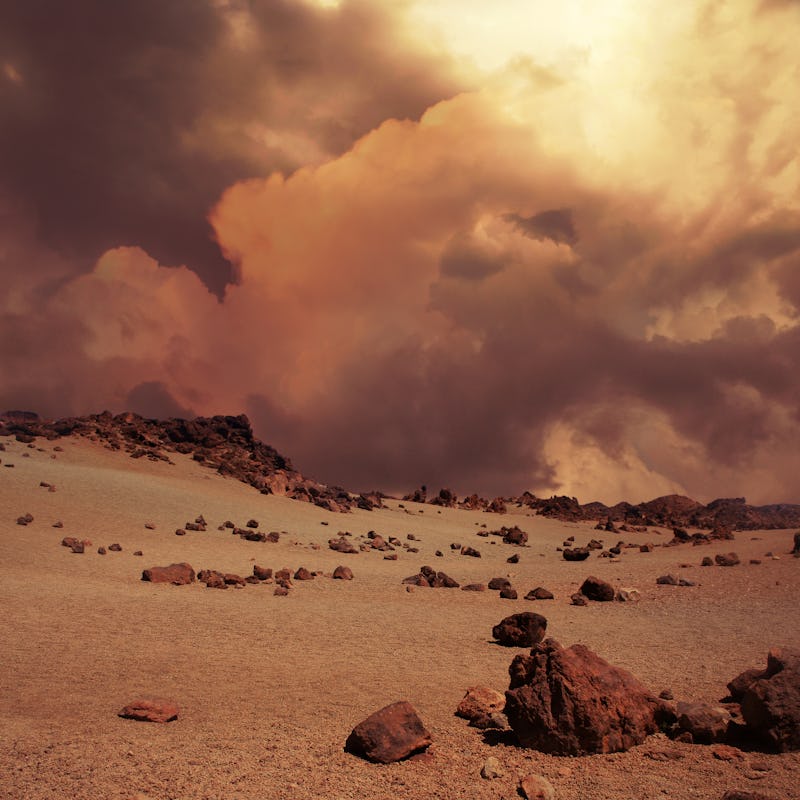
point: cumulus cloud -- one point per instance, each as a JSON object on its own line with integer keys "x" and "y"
{"x": 499, "y": 296}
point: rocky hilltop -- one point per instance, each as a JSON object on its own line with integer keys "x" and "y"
{"x": 223, "y": 443}
{"x": 670, "y": 511}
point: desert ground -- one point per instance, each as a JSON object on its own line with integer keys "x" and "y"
{"x": 270, "y": 687}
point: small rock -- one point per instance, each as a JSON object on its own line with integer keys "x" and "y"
{"x": 343, "y": 573}
{"x": 492, "y": 769}
{"x": 627, "y": 594}
{"x": 480, "y": 700}
{"x": 667, "y": 580}
{"x": 536, "y": 787}
{"x": 150, "y": 711}
{"x": 116, "y": 548}
{"x": 727, "y": 559}
{"x": 578, "y": 599}
{"x": 539, "y": 593}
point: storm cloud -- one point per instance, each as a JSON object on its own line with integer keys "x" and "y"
{"x": 585, "y": 285}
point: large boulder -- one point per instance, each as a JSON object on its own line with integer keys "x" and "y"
{"x": 570, "y": 701}
{"x": 177, "y": 574}
{"x": 391, "y": 734}
{"x": 520, "y": 630}
{"x": 771, "y": 702}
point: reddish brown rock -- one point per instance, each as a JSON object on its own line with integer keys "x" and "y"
{"x": 231, "y": 579}
{"x": 303, "y": 574}
{"x": 498, "y": 584}
{"x": 150, "y": 711}
{"x": 520, "y": 630}
{"x": 707, "y": 723}
{"x": 262, "y": 573}
{"x": 343, "y": 573}
{"x": 341, "y": 545}
{"x": 115, "y": 548}
{"x": 281, "y": 591}
{"x": 771, "y": 703}
{"x": 25, "y": 519}
{"x": 391, "y": 734}
{"x": 508, "y": 593}
{"x": 479, "y": 701}
{"x": 470, "y": 551}
{"x": 575, "y": 554}
{"x": 727, "y": 559}
{"x": 514, "y": 536}
{"x": 539, "y": 593}
{"x": 536, "y": 787}
{"x": 597, "y": 589}
{"x": 444, "y": 581}
{"x": 177, "y": 574}
{"x": 569, "y": 701}
{"x": 474, "y": 587}
{"x": 578, "y": 599}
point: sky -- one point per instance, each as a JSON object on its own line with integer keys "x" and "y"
{"x": 496, "y": 247}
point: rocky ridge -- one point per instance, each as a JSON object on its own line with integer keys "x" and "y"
{"x": 223, "y": 443}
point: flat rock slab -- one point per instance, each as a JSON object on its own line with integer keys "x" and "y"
{"x": 177, "y": 574}
{"x": 150, "y": 711}
{"x": 391, "y": 734}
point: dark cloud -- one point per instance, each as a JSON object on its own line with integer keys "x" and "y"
{"x": 465, "y": 257}
{"x": 122, "y": 122}
{"x": 555, "y": 224}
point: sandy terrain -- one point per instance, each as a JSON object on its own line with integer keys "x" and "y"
{"x": 270, "y": 687}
